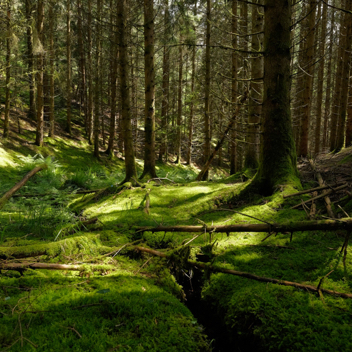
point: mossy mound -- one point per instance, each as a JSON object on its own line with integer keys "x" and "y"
{"x": 46, "y": 312}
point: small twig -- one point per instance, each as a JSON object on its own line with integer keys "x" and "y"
{"x": 270, "y": 234}
{"x": 323, "y": 278}
{"x": 143, "y": 266}
{"x": 343, "y": 210}
{"x": 73, "y": 329}
{"x": 192, "y": 239}
{"x": 249, "y": 216}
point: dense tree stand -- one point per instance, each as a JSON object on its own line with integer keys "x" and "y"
{"x": 277, "y": 163}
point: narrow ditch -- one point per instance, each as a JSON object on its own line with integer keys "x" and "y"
{"x": 221, "y": 339}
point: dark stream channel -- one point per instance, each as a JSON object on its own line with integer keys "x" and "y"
{"x": 214, "y": 327}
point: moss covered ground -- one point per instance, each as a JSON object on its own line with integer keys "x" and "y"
{"x": 131, "y": 301}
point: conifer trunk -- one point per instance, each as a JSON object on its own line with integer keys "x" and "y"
{"x": 179, "y": 105}
{"x": 8, "y": 72}
{"x": 207, "y": 137}
{"x": 149, "y": 78}
{"x": 234, "y": 87}
{"x": 278, "y": 157}
{"x": 131, "y": 172}
{"x": 39, "y": 77}
{"x": 68, "y": 68}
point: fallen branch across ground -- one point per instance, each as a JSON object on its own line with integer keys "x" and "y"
{"x": 324, "y": 195}
{"x": 313, "y": 190}
{"x": 17, "y": 186}
{"x": 217, "y": 269}
{"x": 47, "y": 266}
{"x": 321, "y": 225}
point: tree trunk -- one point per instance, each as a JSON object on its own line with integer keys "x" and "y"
{"x": 81, "y": 64}
{"x": 234, "y": 87}
{"x": 8, "y": 72}
{"x": 165, "y": 84}
{"x": 131, "y": 172}
{"x": 90, "y": 117}
{"x": 256, "y": 92}
{"x": 51, "y": 73}
{"x": 179, "y": 106}
{"x": 338, "y": 82}
{"x": 348, "y": 141}
{"x": 320, "y": 80}
{"x": 97, "y": 88}
{"x": 149, "y": 78}
{"x": 328, "y": 82}
{"x": 207, "y": 138}
{"x": 68, "y": 69}
{"x": 278, "y": 156}
{"x": 113, "y": 97}
{"x": 39, "y": 77}
{"x": 308, "y": 80}
{"x": 29, "y": 10}
{"x": 346, "y": 62}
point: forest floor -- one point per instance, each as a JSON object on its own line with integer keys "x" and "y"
{"x": 111, "y": 296}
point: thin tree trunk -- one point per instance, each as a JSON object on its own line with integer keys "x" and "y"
{"x": 39, "y": 77}
{"x": 328, "y": 81}
{"x": 149, "y": 78}
{"x": 82, "y": 70}
{"x": 320, "y": 80}
{"x": 338, "y": 82}
{"x": 165, "y": 84}
{"x": 207, "y": 137}
{"x": 307, "y": 98}
{"x": 90, "y": 116}
{"x": 68, "y": 69}
{"x": 179, "y": 106}
{"x": 348, "y": 141}
{"x": 346, "y": 61}
{"x": 29, "y": 9}
{"x": 8, "y": 72}
{"x": 255, "y": 101}
{"x": 234, "y": 87}
{"x": 51, "y": 73}
{"x": 131, "y": 172}
{"x": 97, "y": 88}
{"x": 113, "y": 98}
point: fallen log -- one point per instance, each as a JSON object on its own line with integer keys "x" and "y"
{"x": 321, "y": 225}
{"x": 47, "y": 266}
{"x": 15, "y": 188}
{"x": 215, "y": 268}
{"x": 55, "y": 194}
{"x": 313, "y": 190}
{"x": 324, "y": 195}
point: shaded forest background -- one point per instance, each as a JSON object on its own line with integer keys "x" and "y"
{"x": 184, "y": 78}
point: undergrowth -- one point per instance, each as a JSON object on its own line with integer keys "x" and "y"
{"x": 134, "y": 304}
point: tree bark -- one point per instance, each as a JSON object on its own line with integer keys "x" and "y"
{"x": 131, "y": 172}
{"x": 346, "y": 62}
{"x": 149, "y": 79}
{"x": 39, "y": 77}
{"x": 165, "y": 84}
{"x": 278, "y": 156}
{"x": 234, "y": 87}
{"x": 51, "y": 73}
{"x": 90, "y": 116}
{"x": 207, "y": 138}
{"x": 179, "y": 105}
{"x": 68, "y": 68}
{"x": 29, "y": 10}
{"x": 8, "y": 72}
{"x": 307, "y": 98}
{"x": 320, "y": 80}
{"x": 255, "y": 100}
